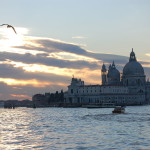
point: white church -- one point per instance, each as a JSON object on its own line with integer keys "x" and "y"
{"x": 130, "y": 88}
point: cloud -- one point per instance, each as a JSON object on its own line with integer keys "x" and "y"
{"x": 45, "y": 65}
{"x": 78, "y": 37}
{"x": 55, "y": 46}
{"x": 20, "y": 96}
{"x": 8, "y": 32}
{"x": 147, "y": 54}
{"x": 32, "y": 82}
{"x": 43, "y": 59}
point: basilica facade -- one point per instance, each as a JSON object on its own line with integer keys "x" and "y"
{"x": 128, "y": 88}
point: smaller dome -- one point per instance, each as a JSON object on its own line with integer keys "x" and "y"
{"x": 113, "y": 72}
{"x": 113, "y": 75}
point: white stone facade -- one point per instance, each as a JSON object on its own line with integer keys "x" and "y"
{"x": 131, "y": 89}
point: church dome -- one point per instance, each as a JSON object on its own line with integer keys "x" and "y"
{"x": 113, "y": 75}
{"x": 133, "y": 67}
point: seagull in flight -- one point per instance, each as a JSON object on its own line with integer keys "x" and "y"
{"x": 9, "y": 26}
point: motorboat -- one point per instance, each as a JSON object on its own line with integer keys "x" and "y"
{"x": 119, "y": 109}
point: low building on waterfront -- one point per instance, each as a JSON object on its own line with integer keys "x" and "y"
{"x": 48, "y": 99}
{"x": 17, "y": 103}
{"x": 130, "y": 88}
{"x": 1, "y": 104}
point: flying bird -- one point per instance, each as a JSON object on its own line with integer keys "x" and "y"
{"x": 9, "y": 26}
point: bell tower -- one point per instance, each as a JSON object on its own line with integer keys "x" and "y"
{"x": 104, "y": 74}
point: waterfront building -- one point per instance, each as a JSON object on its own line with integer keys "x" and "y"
{"x": 48, "y": 99}
{"x": 1, "y": 104}
{"x": 128, "y": 88}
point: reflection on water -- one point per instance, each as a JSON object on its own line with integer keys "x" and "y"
{"x": 75, "y": 128}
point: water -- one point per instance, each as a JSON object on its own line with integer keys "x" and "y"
{"x": 75, "y": 128}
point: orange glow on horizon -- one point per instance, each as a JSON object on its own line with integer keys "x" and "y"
{"x": 68, "y": 72}
{"x": 31, "y": 82}
{"x": 21, "y": 96}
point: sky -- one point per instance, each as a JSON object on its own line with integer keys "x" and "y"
{"x": 59, "y": 39}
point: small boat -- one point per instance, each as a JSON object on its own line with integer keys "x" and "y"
{"x": 119, "y": 109}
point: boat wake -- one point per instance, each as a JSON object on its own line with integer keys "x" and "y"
{"x": 125, "y": 117}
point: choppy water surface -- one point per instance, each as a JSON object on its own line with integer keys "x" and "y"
{"x": 75, "y": 128}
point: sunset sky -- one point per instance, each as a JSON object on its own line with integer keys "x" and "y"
{"x": 57, "y": 39}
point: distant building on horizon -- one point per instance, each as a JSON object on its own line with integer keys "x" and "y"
{"x": 1, "y": 104}
{"x": 48, "y": 99}
{"x": 128, "y": 88}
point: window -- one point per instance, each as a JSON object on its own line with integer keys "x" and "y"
{"x": 138, "y": 81}
{"x": 71, "y": 90}
{"x": 127, "y": 82}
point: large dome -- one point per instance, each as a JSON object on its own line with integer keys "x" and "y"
{"x": 133, "y": 67}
